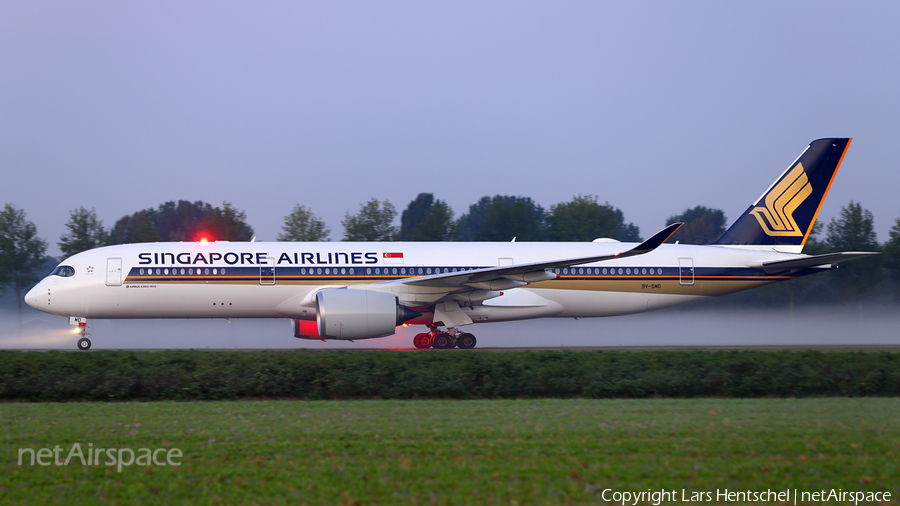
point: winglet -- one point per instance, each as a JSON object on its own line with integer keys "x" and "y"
{"x": 653, "y": 242}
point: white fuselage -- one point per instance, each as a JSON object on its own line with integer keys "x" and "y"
{"x": 278, "y": 280}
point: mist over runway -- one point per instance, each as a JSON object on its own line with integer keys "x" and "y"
{"x": 680, "y": 327}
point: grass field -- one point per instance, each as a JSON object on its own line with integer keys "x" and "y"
{"x": 451, "y": 452}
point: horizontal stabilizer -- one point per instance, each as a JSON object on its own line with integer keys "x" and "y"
{"x": 827, "y": 259}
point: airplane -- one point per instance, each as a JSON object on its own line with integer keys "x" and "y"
{"x": 365, "y": 290}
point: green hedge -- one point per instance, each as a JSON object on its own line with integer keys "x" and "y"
{"x": 306, "y": 374}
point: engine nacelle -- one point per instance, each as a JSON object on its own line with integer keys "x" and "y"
{"x": 343, "y": 313}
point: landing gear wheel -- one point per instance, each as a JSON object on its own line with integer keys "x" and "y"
{"x": 466, "y": 341}
{"x": 422, "y": 340}
{"x": 84, "y": 344}
{"x": 442, "y": 341}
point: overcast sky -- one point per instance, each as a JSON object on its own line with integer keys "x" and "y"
{"x": 652, "y": 106}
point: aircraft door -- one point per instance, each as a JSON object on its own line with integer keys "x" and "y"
{"x": 113, "y": 272}
{"x": 686, "y": 271}
{"x": 267, "y": 272}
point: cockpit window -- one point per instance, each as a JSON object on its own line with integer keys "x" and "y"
{"x": 64, "y": 271}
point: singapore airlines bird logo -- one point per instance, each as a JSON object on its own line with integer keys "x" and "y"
{"x": 777, "y": 218}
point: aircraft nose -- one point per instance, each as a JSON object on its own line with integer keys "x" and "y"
{"x": 31, "y": 298}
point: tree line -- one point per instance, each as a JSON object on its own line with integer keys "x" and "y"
{"x": 23, "y": 258}
{"x": 498, "y": 218}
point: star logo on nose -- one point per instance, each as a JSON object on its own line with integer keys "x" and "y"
{"x": 90, "y": 269}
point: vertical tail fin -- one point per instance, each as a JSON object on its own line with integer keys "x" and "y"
{"x": 784, "y": 215}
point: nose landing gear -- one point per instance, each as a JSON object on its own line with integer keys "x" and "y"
{"x": 84, "y": 343}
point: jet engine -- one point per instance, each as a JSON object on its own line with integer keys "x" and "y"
{"x": 343, "y": 313}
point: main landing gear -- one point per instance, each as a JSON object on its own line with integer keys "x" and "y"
{"x": 444, "y": 340}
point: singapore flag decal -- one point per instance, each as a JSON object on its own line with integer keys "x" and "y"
{"x": 392, "y": 258}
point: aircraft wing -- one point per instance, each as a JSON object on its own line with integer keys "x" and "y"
{"x": 828, "y": 259}
{"x": 531, "y": 272}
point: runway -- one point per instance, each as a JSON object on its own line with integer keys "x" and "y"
{"x": 837, "y": 327}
